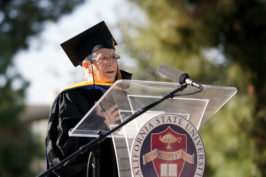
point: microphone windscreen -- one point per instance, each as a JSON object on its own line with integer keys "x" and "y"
{"x": 173, "y": 74}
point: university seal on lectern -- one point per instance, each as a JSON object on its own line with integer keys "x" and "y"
{"x": 168, "y": 146}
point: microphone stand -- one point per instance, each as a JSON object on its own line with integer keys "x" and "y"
{"x": 102, "y": 136}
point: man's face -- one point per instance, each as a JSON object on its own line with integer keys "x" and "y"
{"x": 104, "y": 65}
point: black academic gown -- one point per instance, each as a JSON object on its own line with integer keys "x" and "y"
{"x": 68, "y": 109}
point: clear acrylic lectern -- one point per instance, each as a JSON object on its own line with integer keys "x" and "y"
{"x": 131, "y": 95}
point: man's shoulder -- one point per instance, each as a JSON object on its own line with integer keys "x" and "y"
{"x": 80, "y": 91}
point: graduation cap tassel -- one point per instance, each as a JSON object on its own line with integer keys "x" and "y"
{"x": 92, "y": 73}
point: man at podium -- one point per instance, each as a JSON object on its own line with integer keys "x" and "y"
{"x": 94, "y": 50}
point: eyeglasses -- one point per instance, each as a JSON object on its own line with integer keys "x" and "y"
{"x": 104, "y": 59}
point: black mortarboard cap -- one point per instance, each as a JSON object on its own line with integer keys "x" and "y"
{"x": 85, "y": 43}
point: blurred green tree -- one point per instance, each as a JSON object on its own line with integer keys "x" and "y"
{"x": 218, "y": 42}
{"x": 20, "y": 19}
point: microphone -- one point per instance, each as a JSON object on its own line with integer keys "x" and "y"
{"x": 177, "y": 76}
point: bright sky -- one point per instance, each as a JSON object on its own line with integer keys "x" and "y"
{"x": 45, "y": 64}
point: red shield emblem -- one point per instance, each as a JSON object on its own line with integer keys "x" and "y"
{"x": 169, "y": 147}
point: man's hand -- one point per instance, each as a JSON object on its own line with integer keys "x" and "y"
{"x": 111, "y": 116}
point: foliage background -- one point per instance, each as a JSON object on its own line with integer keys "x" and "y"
{"x": 20, "y": 19}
